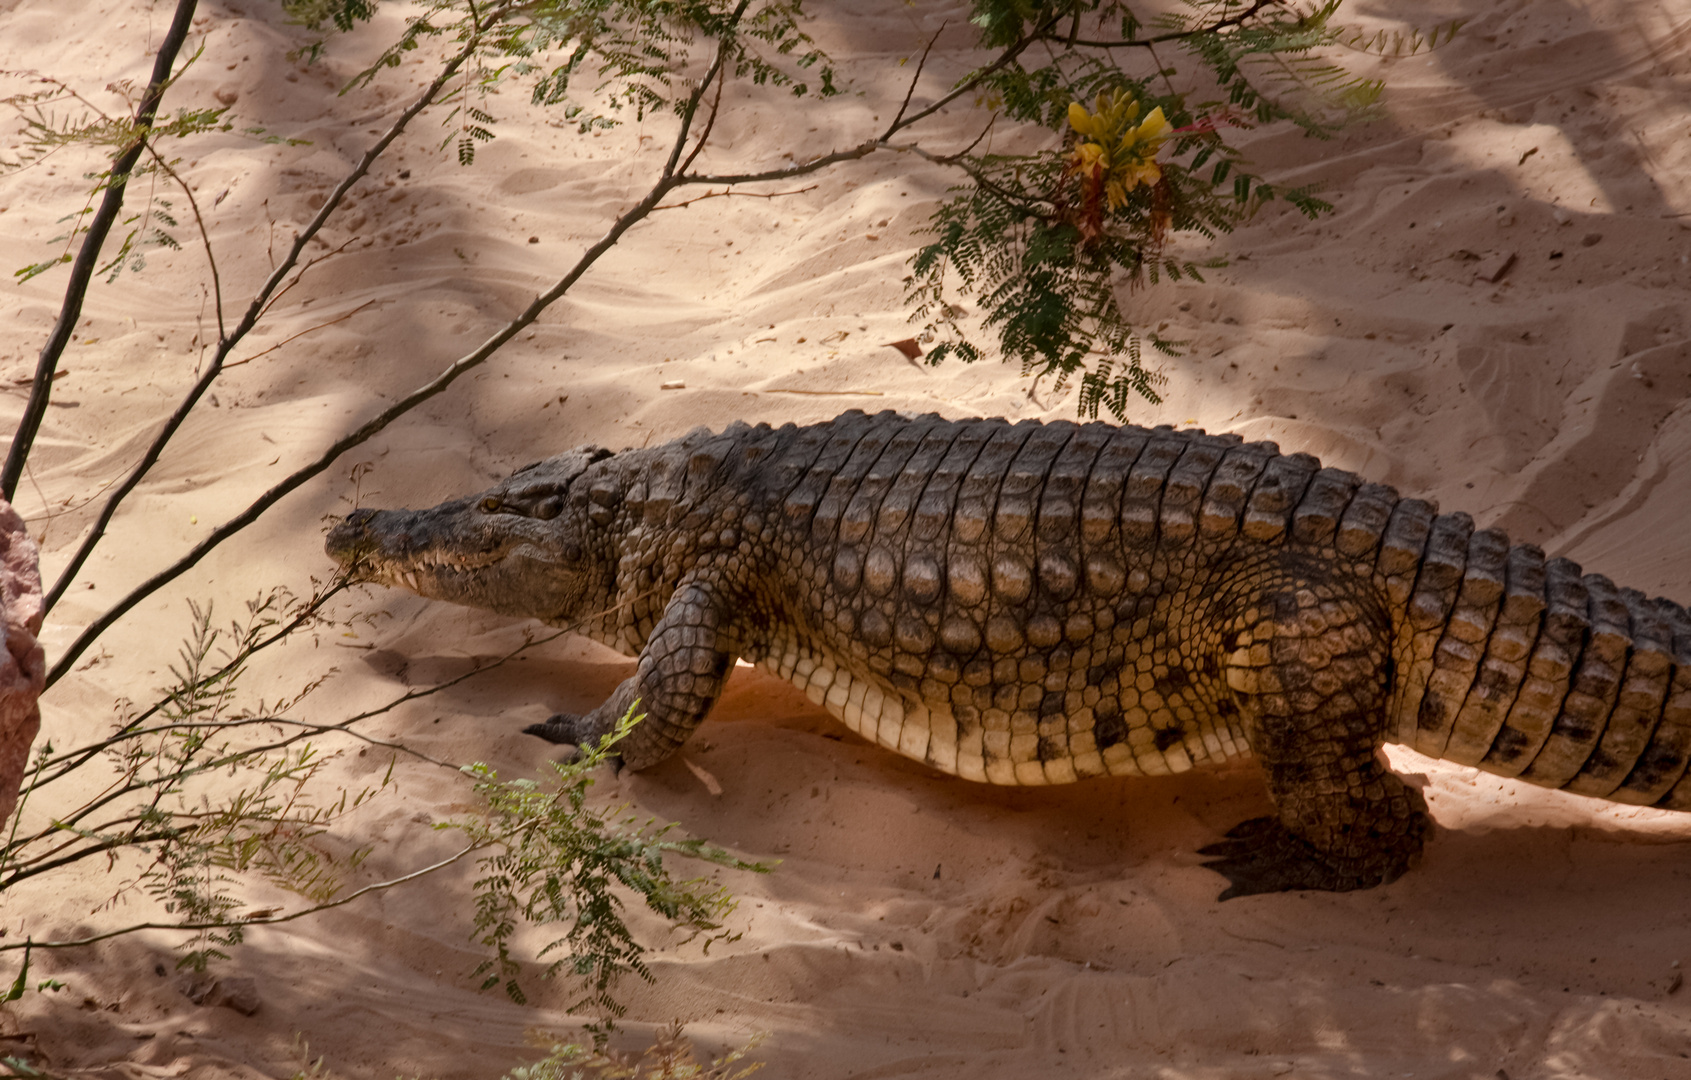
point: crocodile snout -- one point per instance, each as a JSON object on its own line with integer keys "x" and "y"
{"x": 391, "y": 534}
{"x": 350, "y": 538}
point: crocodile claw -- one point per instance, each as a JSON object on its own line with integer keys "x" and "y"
{"x": 568, "y": 729}
{"x": 1262, "y": 856}
{"x": 561, "y": 728}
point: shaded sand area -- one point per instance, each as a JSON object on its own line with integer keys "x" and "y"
{"x": 1496, "y": 316}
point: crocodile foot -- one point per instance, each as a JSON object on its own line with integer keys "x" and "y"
{"x": 568, "y": 729}
{"x": 1263, "y": 856}
{"x": 561, "y": 728}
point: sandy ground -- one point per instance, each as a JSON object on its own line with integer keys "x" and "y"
{"x": 916, "y": 925}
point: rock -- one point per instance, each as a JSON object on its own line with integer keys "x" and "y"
{"x": 23, "y": 665}
{"x": 199, "y": 989}
{"x": 238, "y": 992}
{"x": 1493, "y": 265}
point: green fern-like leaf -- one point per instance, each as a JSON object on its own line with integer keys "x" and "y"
{"x": 555, "y": 861}
{"x": 1384, "y": 42}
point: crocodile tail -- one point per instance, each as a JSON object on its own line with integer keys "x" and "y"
{"x": 1524, "y": 666}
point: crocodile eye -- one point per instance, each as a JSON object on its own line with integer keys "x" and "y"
{"x": 492, "y": 504}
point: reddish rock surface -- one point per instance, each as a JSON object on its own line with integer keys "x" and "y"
{"x": 23, "y": 667}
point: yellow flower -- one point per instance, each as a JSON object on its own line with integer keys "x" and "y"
{"x": 1080, "y": 119}
{"x": 1113, "y": 115}
{"x": 1129, "y": 177}
{"x": 1088, "y": 156}
{"x": 1154, "y": 130}
{"x": 1115, "y": 150}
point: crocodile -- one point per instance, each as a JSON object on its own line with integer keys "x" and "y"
{"x": 1038, "y": 603}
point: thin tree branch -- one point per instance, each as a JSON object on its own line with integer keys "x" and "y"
{"x": 956, "y": 161}
{"x": 50, "y": 515}
{"x": 379, "y": 886}
{"x": 89, "y": 255}
{"x": 715, "y": 107}
{"x": 200, "y": 224}
{"x": 235, "y": 757}
{"x": 254, "y": 310}
{"x": 363, "y": 434}
{"x": 868, "y": 147}
{"x": 963, "y": 153}
{"x": 910, "y": 90}
{"x": 32, "y": 868}
{"x": 861, "y": 150}
{"x": 70, "y": 760}
{"x": 969, "y": 85}
{"x": 735, "y": 195}
{"x": 302, "y": 333}
{"x": 691, "y": 109}
{"x": 303, "y": 270}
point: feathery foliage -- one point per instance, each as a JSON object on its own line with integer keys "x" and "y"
{"x": 185, "y": 848}
{"x": 1048, "y": 240}
{"x": 554, "y": 860}
{"x": 548, "y": 858}
{"x": 1024, "y": 234}
{"x": 670, "y": 1057}
{"x": 58, "y": 118}
{"x": 632, "y": 55}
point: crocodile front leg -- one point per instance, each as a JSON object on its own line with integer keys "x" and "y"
{"x": 1311, "y": 671}
{"x": 679, "y": 677}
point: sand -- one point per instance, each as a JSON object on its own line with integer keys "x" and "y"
{"x": 917, "y": 925}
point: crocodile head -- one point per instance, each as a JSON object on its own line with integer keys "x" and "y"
{"x": 515, "y": 548}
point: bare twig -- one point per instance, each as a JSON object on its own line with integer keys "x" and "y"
{"x": 82, "y": 270}
{"x": 269, "y": 235}
{"x": 51, "y": 515}
{"x": 736, "y": 195}
{"x": 302, "y": 333}
{"x": 956, "y": 161}
{"x": 864, "y": 149}
{"x": 667, "y": 183}
{"x": 861, "y": 150}
{"x": 952, "y": 159}
{"x": 200, "y": 225}
{"x": 910, "y": 91}
{"x": 367, "y": 431}
{"x": 715, "y": 107}
{"x": 255, "y": 309}
{"x": 379, "y": 886}
{"x": 691, "y": 109}
{"x": 70, "y": 760}
{"x": 973, "y": 82}
{"x": 304, "y": 268}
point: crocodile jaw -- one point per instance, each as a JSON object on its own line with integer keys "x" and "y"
{"x": 452, "y": 553}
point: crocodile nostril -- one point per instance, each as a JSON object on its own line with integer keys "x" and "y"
{"x": 360, "y": 517}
